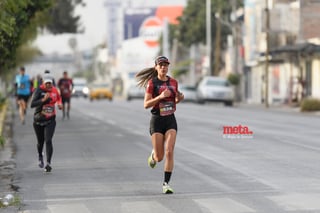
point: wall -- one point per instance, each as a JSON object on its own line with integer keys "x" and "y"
{"x": 316, "y": 78}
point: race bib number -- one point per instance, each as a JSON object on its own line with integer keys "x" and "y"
{"x": 65, "y": 91}
{"x": 166, "y": 108}
{"x": 48, "y": 111}
{"x": 22, "y": 86}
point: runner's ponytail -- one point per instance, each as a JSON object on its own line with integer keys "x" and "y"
{"x": 145, "y": 75}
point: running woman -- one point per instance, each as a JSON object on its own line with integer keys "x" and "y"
{"x": 65, "y": 86}
{"x": 23, "y": 91}
{"x": 162, "y": 95}
{"x": 44, "y": 100}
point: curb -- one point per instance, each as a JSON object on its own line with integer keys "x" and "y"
{"x": 7, "y": 162}
{"x": 3, "y": 114}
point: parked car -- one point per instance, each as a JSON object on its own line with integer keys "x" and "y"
{"x": 100, "y": 91}
{"x": 80, "y": 87}
{"x": 189, "y": 92}
{"x": 217, "y": 89}
{"x": 135, "y": 92}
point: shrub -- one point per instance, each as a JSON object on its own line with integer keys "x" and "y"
{"x": 310, "y": 104}
{"x": 234, "y": 78}
{"x": 2, "y": 100}
{"x": 2, "y": 140}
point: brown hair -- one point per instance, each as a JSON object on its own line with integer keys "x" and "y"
{"x": 145, "y": 75}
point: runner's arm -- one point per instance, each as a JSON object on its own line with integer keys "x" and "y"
{"x": 150, "y": 102}
{"x": 37, "y": 100}
{"x": 179, "y": 97}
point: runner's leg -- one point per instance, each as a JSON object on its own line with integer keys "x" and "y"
{"x": 158, "y": 146}
{"x": 63, "y": 108}
{"x": 170, "y": 138}
{"x": 39, "y": 130}
{"x": 48, "y": 133}
{"x": 68, "y": 108}
{"x": 22, "y": 108}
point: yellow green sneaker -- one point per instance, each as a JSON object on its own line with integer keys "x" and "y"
{"x": 166, "y": 189}
{"x": 151, "y": 162}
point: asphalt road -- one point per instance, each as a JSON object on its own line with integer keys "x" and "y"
{"x": 100, "y": 162}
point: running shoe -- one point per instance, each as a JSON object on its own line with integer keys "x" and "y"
{"x": 48, "y": 168}
{"x": 166, "y": 189}
{"x": 151, "y": 162}
{"x": 41, "y": 164}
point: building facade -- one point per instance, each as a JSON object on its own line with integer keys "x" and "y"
{"x": 293, "y": 63}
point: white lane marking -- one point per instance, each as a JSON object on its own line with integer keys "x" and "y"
{"x": 67, "y": 208}
{"x": 144, "y": 207}
{"x": 148, "y": 196}
{"x": 297, "y": 201}
{"x": 222, "y": 205}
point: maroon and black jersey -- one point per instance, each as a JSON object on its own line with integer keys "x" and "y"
{"x": 65, "y": 86}
{"x": 45, "y": 110}
{"x": 167, "y": 105}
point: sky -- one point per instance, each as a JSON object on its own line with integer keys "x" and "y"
{"x": 93, "y": 19}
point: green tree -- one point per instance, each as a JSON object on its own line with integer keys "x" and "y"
{"x": 20, "y": 21}
{"x": 62, "y": 18}
{"x": 16, "y": 17}
{"x": 192, "y": 27}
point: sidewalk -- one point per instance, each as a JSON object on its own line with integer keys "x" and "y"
{"x": 277, "y": 108}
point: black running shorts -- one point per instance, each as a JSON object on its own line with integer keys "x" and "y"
{"x": 161, "y": 124}
{"x": 65, "y": 99}
{"x": 24, "y": 97}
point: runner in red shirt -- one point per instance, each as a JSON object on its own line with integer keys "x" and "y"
{"x": 161, "y": 95}
{"x": 65, "y": 86}
{"x": 44, "y": 100}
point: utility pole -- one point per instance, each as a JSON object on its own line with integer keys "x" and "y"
{"x": 234, "y": 29}
{"x": 267, "y": 55}
{"x": 217, "y": 43}
{"x": 208, "y": 34}
{"x": 165, "y": 35}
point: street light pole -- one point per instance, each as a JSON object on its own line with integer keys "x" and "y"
{"x": 208, "y": 34}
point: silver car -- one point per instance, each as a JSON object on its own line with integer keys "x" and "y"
{"x": 217, "y": 89}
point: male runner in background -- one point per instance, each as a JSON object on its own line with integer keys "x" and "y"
{"x": 23, "y": 91}
{"x": 65, "y": 86}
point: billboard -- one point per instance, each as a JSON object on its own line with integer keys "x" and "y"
{"x": 147, "y": 23}
{"x": 142, "y": 30}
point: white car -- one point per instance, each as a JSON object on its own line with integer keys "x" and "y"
{"x": 189, "y": 92}
{"x": 217, "y": 89}
{"x": 135, "y": 92}
{"x": 80, "y": 87}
